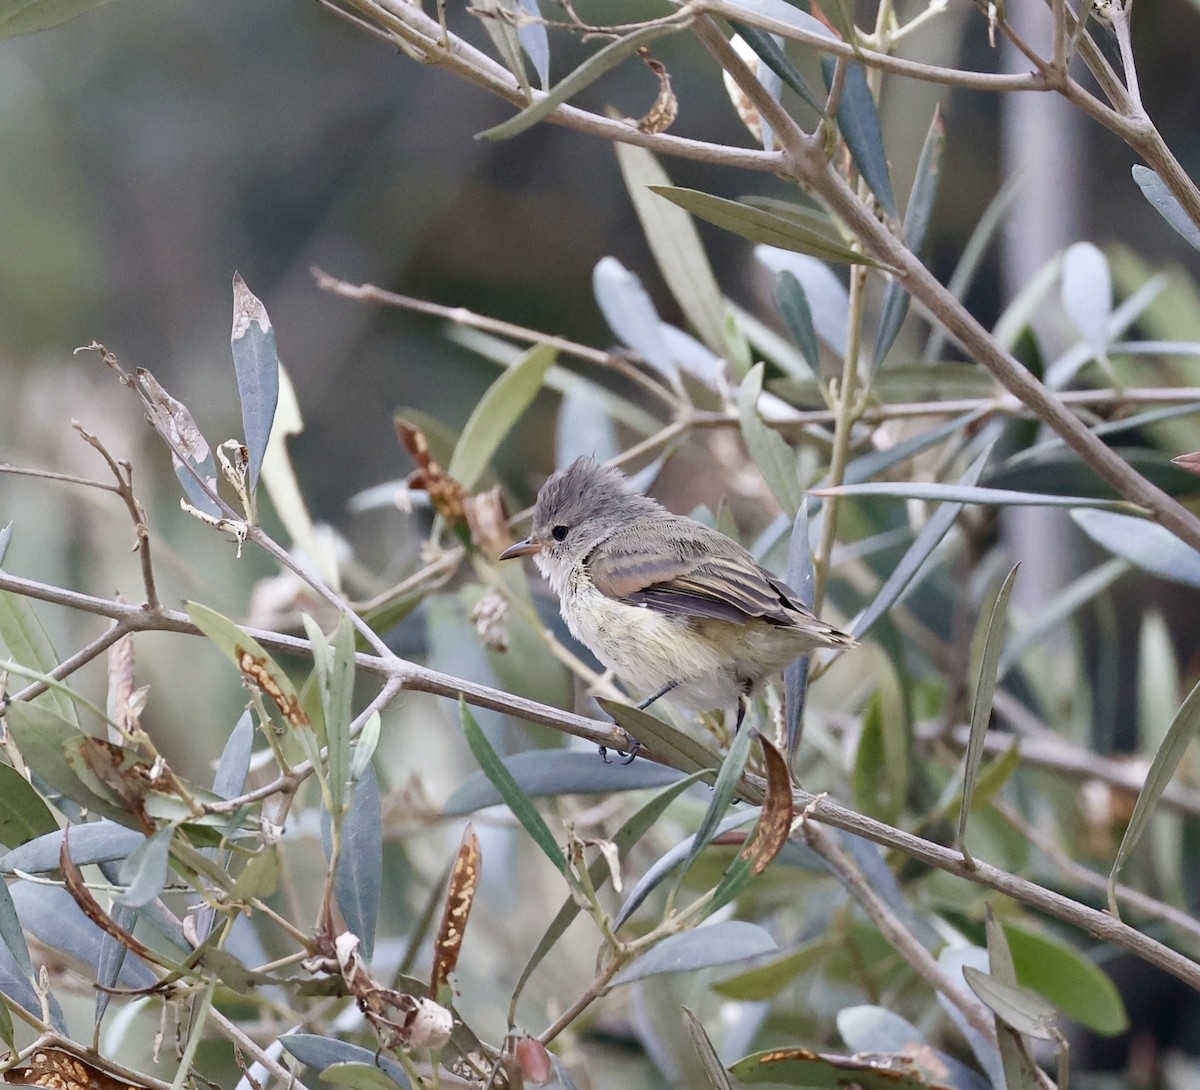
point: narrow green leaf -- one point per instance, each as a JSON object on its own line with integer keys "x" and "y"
{"x": 7, "y": 1033}
{"x": 25, "y": 639}
{"x": 359, "y": 1076}
{"x": 1020, "y": 1008}
{"x": 256, "y": 363}
{"x": 760, "y": 226}
{"x": 1166, "y": 759}
{"x": 5, "y": 538}
{"x": 584, "y": 76}
{"x": 957, "y": 493}
{"x": 259, "y": 877}
{"x": 801, "y": 1067}
{"x": 714, "y": 1070}
{"x": 599, "y": 873}
{"x": 496, "y": 17}
{"x": 322, "y": 1052}
{"x": 797, "y": 316}
{"x": 768, "y": 979}
{"x": 1165, "y": 203}
{"x": 993, "y": 628}
{"x": 775, "y": 460}
{"x": 713, "y": 944}
{"x": 535, "y": 41}
{"x": 680, "y": 750}
{"x": 145, "y": 871}
{"x": 916, "y": 225}
{"x": 234, "y": 763}
{"x": 800, "y": 578}
{"x": 545, "y": 773}
{"x": 630, "y": 314}
{"x": 771, "y": 53}
{"x": 1147, "y": 545}
{"x": 364, "y": 748}
{"x": 23, "y": 813}
{"x": 1087, "y": 293}
{"x": 96, "y": 842}
{"x": 42, "y": 736}
{"x": 252, "y": 659}
{"x": 360, "y": 866}
{"x": 728, "y": 779}
{"x": 858, "y": 120}
{"x": 334, "y": 662}
{"x": 29, "y": 15}
{"x": 516, "y": 799}
{"x": 677, "y": 249}
{"x": 12, "y": 935}
{"x": 498, "y": 410}
{"x": 1068, "y": 978}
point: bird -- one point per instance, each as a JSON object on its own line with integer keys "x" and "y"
{"x": 674, "y": 607}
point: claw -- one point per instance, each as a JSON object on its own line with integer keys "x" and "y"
{"x": 604, "y": 754}
{"x": 632, "y": 754}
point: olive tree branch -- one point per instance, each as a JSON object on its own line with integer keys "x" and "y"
{"x": 404, "y": 676}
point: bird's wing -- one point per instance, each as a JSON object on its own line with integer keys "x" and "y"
{"x": 725, "y": 586}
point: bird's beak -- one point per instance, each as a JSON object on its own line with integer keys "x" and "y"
{"x": 522, "y": 548}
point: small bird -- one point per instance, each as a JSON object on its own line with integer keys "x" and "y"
{"x": 669, "y": 604}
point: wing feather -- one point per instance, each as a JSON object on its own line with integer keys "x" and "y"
{"x": 693, "y": 578}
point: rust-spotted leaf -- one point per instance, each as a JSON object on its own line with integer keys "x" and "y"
{"x": 464, "y": 882}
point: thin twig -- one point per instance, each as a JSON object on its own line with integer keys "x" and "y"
{"x": 462, "y": 316}
{"x": 68, "y": 666}
{"x": 123, "y": 471}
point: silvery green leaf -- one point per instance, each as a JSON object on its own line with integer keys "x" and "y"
{"x": 321, "y": 1052}
{"x": 5, "y": 538}
{"x": 828, "y": 299}
{"x": 364, "y": 747}
{"x": 1166, "y": 204}
{"x": 797, "y": 316}
{"x": 145, "y": 869}
{"x": 256, "y": 362}
{"x": 1087, "y": 294}
{"x": 1147, "y": 545}
{"x": 234, "y": 762}
{"x": 100, "y": 841}
{"x": 712, "y": 944}
{"x": 858, "y": 119}
{"x": 550, "y": 772}
{"x": 583, "y": 427}
{"x": 535, "y": 41}
{"x": 630, "y": 314}
{"x": 51, "y": 915}
{"x": 769, "y": 48}
{"x": 780, "y": 11}
{"x": 675, "y": 242}
{"x": 694, "y": 358}
{"x": 497, "y": 412}
{"x": 360, "y": 865}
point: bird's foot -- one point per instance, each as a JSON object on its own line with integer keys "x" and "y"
{"x": 633, "y": 752}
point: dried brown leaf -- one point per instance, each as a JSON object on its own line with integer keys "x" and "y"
{"x": 775, "y": 824}
{"x": 662, "y": 114}
{"x": 464, "y": 881}
{"x": 445, "y": 493}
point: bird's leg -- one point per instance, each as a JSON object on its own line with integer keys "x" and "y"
{"x": 743, "y": 704}
{"x": 661, "y": 692}
{"x": 633, "y": 750}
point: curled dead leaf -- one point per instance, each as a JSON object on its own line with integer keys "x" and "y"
{"x": 662, "y": 114}
{"x": 445, "y": 493}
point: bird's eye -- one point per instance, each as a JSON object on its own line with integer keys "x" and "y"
{"x": 558, "y": 533}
